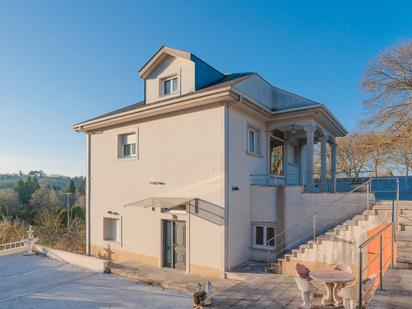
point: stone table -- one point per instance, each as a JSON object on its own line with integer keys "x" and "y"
{"x": 334, "y": 280}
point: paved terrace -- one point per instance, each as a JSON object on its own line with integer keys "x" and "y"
{"x": 39, "y": 282}
{"x": 255, "y": 291}
{"x": 397, "y": 290}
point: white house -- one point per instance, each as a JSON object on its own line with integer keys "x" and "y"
{"x": 202, "y": 173}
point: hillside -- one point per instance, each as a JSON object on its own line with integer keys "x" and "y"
{"x": 58, "y": 181}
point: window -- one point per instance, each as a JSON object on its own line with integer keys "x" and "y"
{"x": 110, "y": 229}
{"x": 127, "y": 145}
{"x": 263, "y": 234}
{"x": 252, "y": 141}
{"x": 169, "y": 85}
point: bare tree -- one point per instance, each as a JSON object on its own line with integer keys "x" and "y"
{"x": 10, "y": 204}
{"x": 351, "y": 155}
{"x": 401, "y": 153}
{"x": 377, "y": 152}
{"x": 388, "y": 79}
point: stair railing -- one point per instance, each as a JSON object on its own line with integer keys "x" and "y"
{"x": 276, "y": 241}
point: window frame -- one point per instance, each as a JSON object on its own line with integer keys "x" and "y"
{"x": 118, "y": 238}
{"x": 265, "y": 234}
{"x": 121, "y": 147}
{"x": 163, "y": 85}
{"x": 256, "y": 141}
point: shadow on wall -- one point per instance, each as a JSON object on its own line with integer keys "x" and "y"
{"x": 206, "y": 211}
{"x": 107, "y": 255}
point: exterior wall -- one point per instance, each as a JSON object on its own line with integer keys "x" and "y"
{"x": 185, "y": 71}
{"x": 241, "y": 166}
{"x": 288, "y": 206}
{"x": 183, "y": 151}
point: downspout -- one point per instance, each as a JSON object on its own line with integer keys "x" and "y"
{"x": 227, "y": 182}
{"x": 88, "y": 193}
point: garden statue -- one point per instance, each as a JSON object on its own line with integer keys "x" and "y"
{"x": 202, "y": 297}
{"x": 30, "y": 241}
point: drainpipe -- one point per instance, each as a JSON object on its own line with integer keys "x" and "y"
{"x": 88, "y": 193}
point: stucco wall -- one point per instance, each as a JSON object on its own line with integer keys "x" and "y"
{"x": 185, "y": 152}
{"x": 288, "y": 206}
{"x": 241, "y": 165}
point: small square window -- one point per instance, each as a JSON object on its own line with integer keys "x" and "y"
{"x": 264, "y": 236}
{"x": 110, "y": 229}
{"x": 127, "y": 145}
{"x": 252, "y": 141}
{"x": 169, "y": 85}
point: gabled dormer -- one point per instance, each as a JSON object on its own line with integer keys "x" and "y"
{"x": 172, "y": 72}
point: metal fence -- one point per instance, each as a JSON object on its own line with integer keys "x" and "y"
{"x": 384, "y": 245}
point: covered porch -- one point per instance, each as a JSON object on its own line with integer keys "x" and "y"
{"x": 291, "y": 140}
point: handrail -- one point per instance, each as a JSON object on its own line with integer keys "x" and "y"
{"x": 313, "y": 217}
{"x": 382, "y": 265}
{"x": 317, "y": 212}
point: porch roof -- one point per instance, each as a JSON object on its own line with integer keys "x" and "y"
{"x": 161, "y": 202}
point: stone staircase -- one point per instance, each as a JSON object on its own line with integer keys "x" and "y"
{"x": 338, "y": 245}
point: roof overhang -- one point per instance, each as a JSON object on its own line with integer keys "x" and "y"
{"x": 318, "y": 113}
{"x": 161, "y": 202}
{"x": 162, "y": 53}
{"x": 196, "y": 99}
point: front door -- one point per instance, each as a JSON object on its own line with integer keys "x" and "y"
{"x": 174, "y": 244}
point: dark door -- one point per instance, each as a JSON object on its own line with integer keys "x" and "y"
{"x": 167, "y": 243}
{"x": 174, "y": 244}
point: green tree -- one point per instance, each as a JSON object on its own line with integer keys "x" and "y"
{"x": 70, "y": 187}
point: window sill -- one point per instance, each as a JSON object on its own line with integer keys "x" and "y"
{"x": 257, "y": 247}
{"x": 126, "y": 159}
{"x": 254, "y": 154}
{"x": 114, "y": 243}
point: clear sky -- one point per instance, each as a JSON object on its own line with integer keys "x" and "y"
{"x": 62, "y": 62}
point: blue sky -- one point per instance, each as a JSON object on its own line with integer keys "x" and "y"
{"x": 62, "y": 62}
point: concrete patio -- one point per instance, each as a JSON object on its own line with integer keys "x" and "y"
{"x": 397, "y": 290}
{"x": 40, "y": 282}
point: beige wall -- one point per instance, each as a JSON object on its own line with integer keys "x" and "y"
{"x": 289, "y": 211}
{"x": 241, "y": 165}
{"x": 183, "y": 151}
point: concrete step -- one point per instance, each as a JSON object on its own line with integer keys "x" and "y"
{"x": 405, "y": 220}
{"x": 405, "y": 236}
{"x": 405, "y": 227}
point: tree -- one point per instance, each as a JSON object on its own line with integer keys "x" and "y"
{"x": 26, "y": 188}
{"x": 46, "y": 198}
{"x": 377, "y": 152}
{"x": 10, "y": 205}
{"x": 401, "y": 153}
{"x": 388, "y": 79}
{"x": 70, "y": 187}
{"x": 351, "y": 155}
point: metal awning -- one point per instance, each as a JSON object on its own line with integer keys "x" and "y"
{"x": 161, "y": 202}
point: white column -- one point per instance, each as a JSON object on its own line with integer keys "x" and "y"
{"x": 323, "y": 184}
{"x": 268, "y": 152}
{"x": 333, "y": 165}
{"x": 310, "y": 135}
{"x": 285, "y": 161}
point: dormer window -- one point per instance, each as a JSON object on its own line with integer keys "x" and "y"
{"x": 169, "y": 85}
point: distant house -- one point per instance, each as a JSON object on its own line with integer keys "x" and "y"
{"x": 200, "y": 174}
